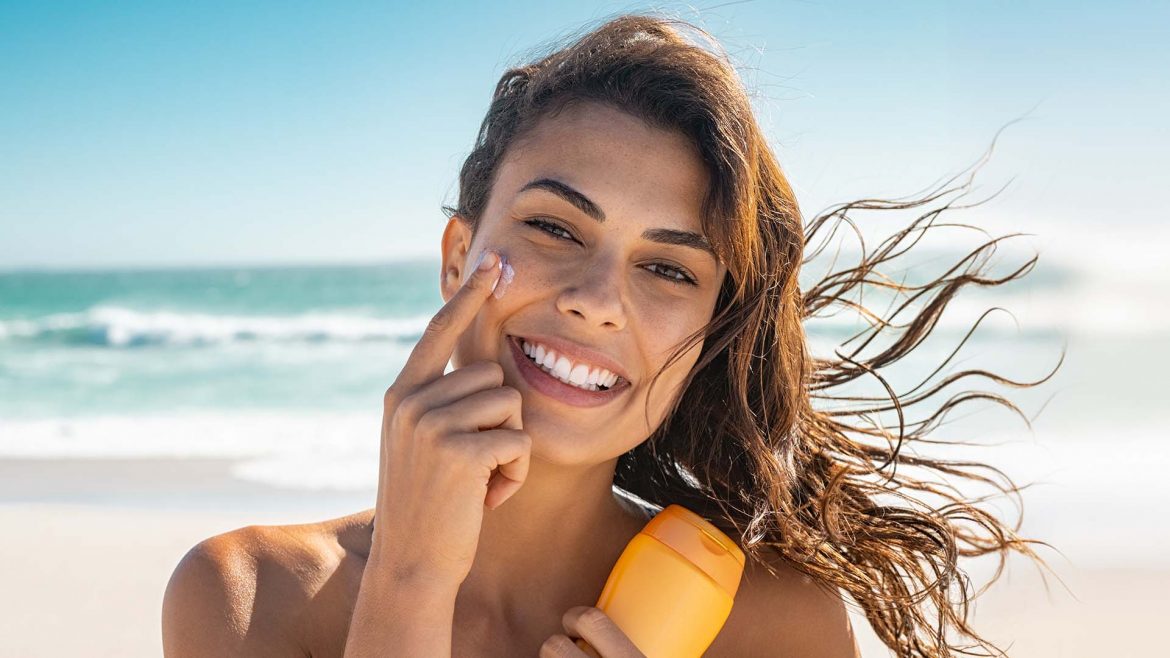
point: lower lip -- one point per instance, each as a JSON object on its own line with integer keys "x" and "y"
{"x": 555, "y": 388}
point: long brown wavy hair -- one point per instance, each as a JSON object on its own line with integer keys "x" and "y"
{"x": 828, "y": 490}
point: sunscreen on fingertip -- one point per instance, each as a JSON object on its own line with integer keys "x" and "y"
{"x": 506, "y": 275}
{"x": 672, "y": 589}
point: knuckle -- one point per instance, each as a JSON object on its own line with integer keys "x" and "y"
{"x": 512, "y": 395}
{"x": 485, "y": 370}
{"x": 555, "y": 645}
{"x": 390, "y": 396}
{"x": 429, "y": 425}
{"x": 495, "y": 370}
{"x": 439, "y": 323}
{"x": 482, "y": 453}
{"x": 409, "y": 410}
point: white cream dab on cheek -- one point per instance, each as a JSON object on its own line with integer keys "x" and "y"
{"x": 506, "y": 275}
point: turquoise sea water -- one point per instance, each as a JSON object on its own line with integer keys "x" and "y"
{"x": 75, "y": 344}
{"x": 80, "y": 343}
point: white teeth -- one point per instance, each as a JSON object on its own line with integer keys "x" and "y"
{"x": 579, "y": 375}
{"x": 563, "y": 367}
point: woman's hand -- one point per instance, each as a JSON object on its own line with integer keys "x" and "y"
{"x": 603, "y": 637}
{"x": 452, "y": 444}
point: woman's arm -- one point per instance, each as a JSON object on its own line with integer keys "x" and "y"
{"x": 400, "y": 612}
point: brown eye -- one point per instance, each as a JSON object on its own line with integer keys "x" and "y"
{"x": 550, "y": 228}
{"x": 677, "y": 276}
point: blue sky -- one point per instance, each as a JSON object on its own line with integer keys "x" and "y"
{"x": 276, "y": 132}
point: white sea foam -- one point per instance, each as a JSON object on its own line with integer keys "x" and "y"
{"x": 115, "y": 326}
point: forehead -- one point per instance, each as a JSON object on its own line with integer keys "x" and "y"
{"x": 632, "y": 170}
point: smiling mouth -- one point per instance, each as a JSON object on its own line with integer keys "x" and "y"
{"x": 619, "y": 384}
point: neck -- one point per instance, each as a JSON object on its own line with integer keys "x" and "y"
{"x": 549, "y": 547}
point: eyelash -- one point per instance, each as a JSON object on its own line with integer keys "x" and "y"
{"x": 538, "y": 224}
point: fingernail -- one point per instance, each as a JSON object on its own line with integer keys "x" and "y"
{"x": 506, "y": 274}
{"x": 486, "y": 260}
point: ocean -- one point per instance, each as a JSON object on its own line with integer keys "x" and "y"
{"x": 283, "y": 368}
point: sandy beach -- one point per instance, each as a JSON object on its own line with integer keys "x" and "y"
{"x": 89, "y": 546}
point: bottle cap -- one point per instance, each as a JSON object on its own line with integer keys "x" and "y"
{"x": 699, "y": 541}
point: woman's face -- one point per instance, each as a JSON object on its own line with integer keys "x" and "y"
{"x": 593, "y": 212}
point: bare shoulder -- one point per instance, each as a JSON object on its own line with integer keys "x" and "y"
{"x": 250, "y": 591}
{"x": 785, "y": 614}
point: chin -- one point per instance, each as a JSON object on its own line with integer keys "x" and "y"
{"x": 550, "y": 443}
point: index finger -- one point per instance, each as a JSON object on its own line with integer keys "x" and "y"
{"x": 430, "y": 355}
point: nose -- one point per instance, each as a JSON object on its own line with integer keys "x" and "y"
{"x": 594, "y": 294}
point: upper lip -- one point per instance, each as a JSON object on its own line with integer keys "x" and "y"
{"x": 578, "y": 353}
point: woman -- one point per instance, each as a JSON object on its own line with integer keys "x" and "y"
{"x": 653, "y": 246}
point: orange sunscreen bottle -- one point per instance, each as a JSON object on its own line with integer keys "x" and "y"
{"x": 673, "y": 587}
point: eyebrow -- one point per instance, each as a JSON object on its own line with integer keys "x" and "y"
{"x": 584, "y": 204}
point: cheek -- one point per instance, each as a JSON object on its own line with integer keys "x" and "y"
{"x": 664, "y": 341}
{"x": 532, "y": 270}
{"x": 663, "y": 348}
